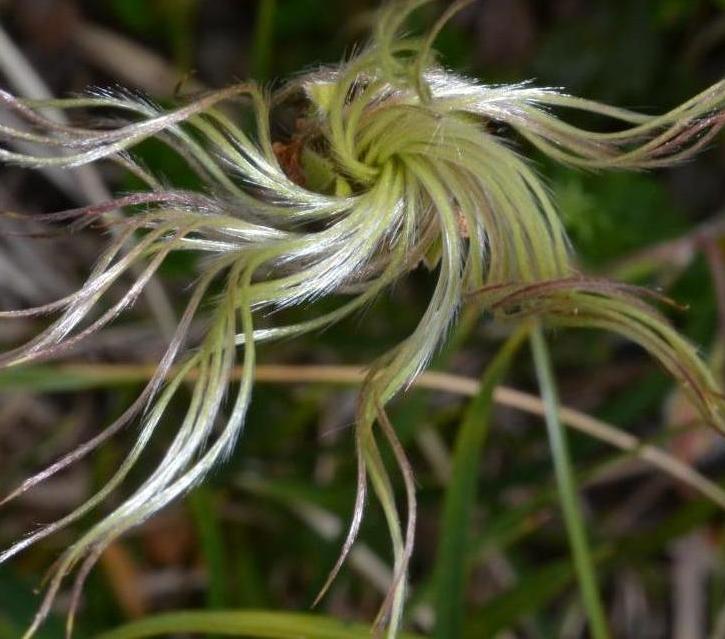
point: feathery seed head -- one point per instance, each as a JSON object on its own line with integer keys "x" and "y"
{"x": 393, "y": 162}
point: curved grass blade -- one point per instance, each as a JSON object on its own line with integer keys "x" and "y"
{"x": 260, "y": 624}
{"x": 451, "y": 569}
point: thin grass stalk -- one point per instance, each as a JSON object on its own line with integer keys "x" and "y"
{"x": 566, "y": 483}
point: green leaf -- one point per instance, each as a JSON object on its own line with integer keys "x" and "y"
{"x": 260, "y": 624}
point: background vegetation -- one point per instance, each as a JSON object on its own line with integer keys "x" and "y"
{"x": 265, "y": 530}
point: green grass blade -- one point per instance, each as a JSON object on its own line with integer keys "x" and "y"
{"x": 563, "y": 470}
{"x": 451, "y": 569}
{"x": 263, "y": 39}
{"x": 205, "y": 515}
{"x": 260, "y": 624}
{"x": 542, "y": 584}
